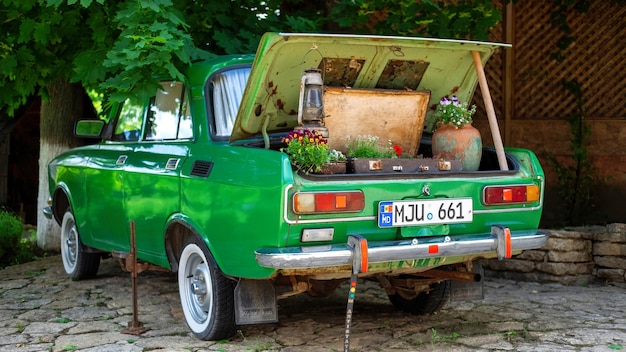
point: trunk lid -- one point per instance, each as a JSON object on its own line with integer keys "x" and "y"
{"x": 438, "y": 67}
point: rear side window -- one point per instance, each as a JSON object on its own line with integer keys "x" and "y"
{"x": 168, "y": 114}
{"x": 228, "y": 87}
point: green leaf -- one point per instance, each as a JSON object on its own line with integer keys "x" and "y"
{"x": 54, "y": 3}
{"x": 89, "y": 68}
{"x": 26, "y": 30}
{"x": 150, "y": 5}
{"x": 41, "y": 33}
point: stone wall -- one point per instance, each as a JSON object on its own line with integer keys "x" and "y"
{"x": 576, "y": 256}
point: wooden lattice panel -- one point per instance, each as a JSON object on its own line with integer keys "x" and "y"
{"x": 493, "y": 73}
{"x": 597, "y": 60}
{"x": 495, "y": 79}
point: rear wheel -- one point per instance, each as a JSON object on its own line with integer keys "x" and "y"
{"x": 206, "y": 295}
{"x": 423, "y": 302}
{"x": 78, "y": 264}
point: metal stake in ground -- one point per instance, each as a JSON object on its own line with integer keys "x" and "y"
{"x": 358, "y": 245}
{"x": 135, "y": 327}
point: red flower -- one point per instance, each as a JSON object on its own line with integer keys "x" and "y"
{"x": 397, "y": 149}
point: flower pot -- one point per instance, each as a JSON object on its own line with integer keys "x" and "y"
{"x": 333, "y": 168}
{"x": 464, "y": 144}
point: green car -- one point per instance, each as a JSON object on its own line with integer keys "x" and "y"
{"x": 204, "y": 178}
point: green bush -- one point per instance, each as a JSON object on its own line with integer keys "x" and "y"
{"x": 14, "y": 249}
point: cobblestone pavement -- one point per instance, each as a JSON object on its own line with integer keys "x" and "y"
{"x": 42, "y": 310}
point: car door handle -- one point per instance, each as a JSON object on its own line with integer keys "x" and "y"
{"x": 121, "y": 160}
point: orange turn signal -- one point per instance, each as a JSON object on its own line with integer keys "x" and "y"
{"x": 496, "y": 195}
{"x": 328, "y": 202}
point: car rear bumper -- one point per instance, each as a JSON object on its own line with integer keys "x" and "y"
{"x": 500, "y": 242}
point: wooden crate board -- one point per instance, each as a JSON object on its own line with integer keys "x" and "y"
{"x": 397, "y": 116}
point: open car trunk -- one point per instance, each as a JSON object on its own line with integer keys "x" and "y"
{"x": 386, "y": 87}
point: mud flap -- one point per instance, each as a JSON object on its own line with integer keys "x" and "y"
{"x": 467, "y": 290}
{"x": 255, "y": 302}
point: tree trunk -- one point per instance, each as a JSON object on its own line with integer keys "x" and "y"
{"x": 58, "y": 113}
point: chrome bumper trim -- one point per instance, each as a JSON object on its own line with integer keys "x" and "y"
{"x": 389, "y": 251}
{"x": 47, "y": 212}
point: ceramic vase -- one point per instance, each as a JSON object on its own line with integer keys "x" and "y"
{"x": 462, "y": 143}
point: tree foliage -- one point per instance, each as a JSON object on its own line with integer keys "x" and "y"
{"x": 113, "y": 46}
{"x": 120, "y": 46}
{"x": 443, "y": 19}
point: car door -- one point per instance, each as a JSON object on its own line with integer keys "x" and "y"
{"x": 104, "y": 185}
{"x": 152, "y": 171}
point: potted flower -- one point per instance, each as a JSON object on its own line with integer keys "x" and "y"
{"x": 455, "y": 138}
{"x": 308, "y": 151}
{"x": 369, "y": 147}
{"x": 336, "y": 156}
{"x": 452, "y": 111}
{"x": 366, "y": 154}
{"x": 335, "y": 164}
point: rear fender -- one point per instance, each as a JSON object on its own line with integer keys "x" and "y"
{"x": 528, "y": 161}
{"x": 61, "y": 200}
{"x": 179, "y": 228}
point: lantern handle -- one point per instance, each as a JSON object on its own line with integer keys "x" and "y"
{"x": 301, "y": 99}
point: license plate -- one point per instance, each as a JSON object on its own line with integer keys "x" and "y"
{"x": 424, "y": 212}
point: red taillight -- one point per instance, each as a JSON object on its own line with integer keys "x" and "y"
{"x": 494, "y": 195}
{"x": 328, "y": 202}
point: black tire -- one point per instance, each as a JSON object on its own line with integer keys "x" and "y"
{"x": 423, "y": 302}
{"x": 206, "y": 295}
{"x": 78, "y": 264}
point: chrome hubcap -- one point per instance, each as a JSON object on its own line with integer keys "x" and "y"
{"x": 198, "y": 287}
{"x": 71, "y": 245}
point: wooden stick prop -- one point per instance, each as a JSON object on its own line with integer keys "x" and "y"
{"x": 491, "y": 112}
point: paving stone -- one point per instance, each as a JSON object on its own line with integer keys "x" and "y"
{"x": 30, "y": 347}
{"x": 15, "y": 339}
{"x": 514, "y": 316}
{"x": 184, "y": 343}
{"x": 46, "y": 328}
{"x": 87, "y": 327}
{"x": 88, "y": 313}
{"x": 113, "y": 348}
{"x": 90, "y": 340}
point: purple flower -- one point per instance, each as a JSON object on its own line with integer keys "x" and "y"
{"x": 453, "y": 111}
